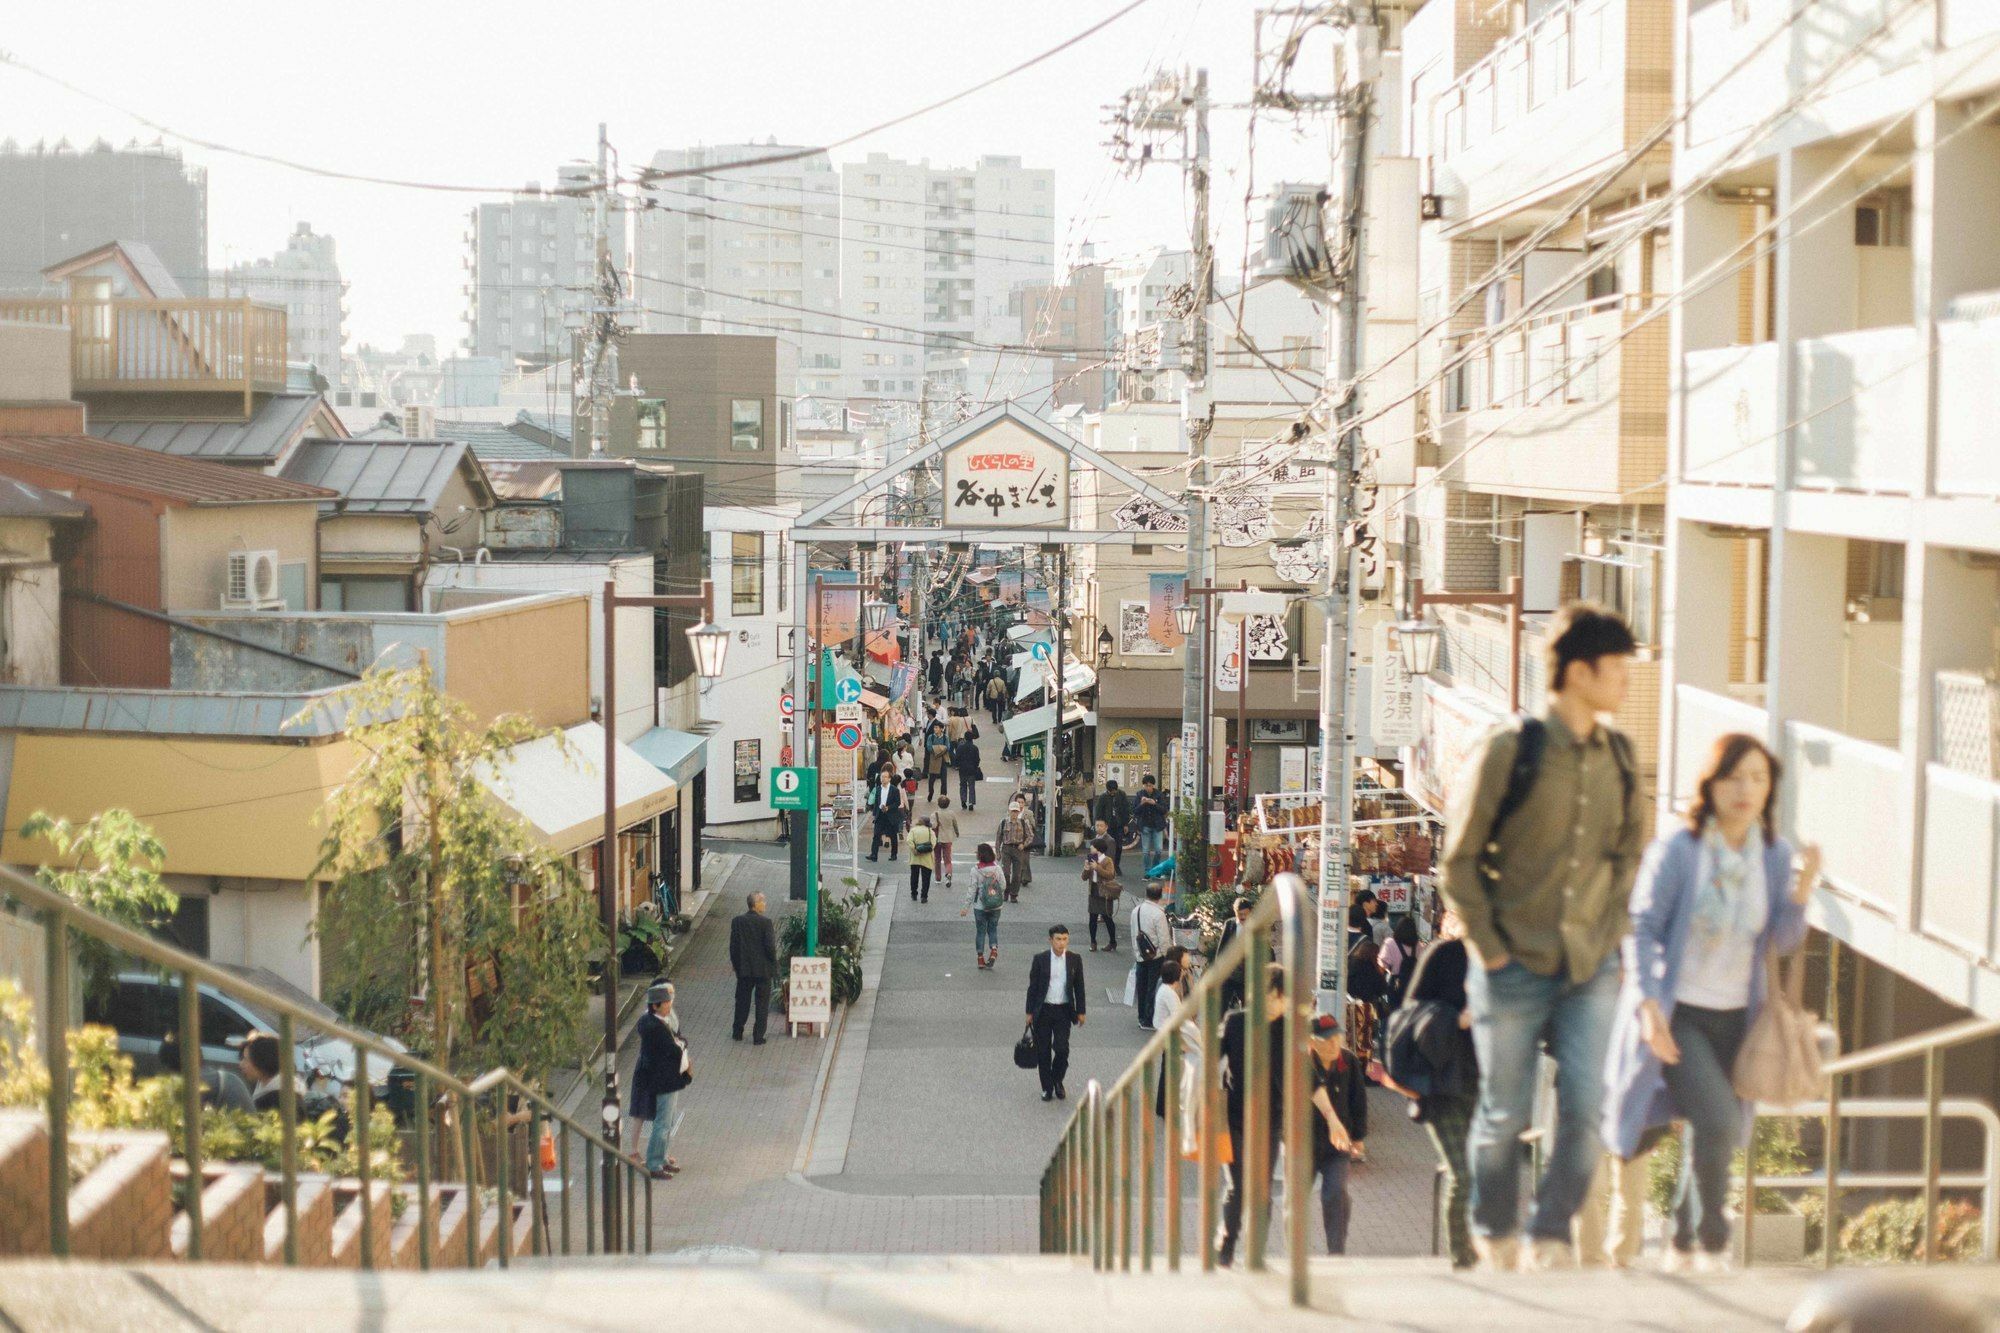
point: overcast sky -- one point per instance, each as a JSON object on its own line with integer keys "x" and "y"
{"x": 499, "y": 93}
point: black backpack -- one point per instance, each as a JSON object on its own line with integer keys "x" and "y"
{"x": 1521, "y": 780}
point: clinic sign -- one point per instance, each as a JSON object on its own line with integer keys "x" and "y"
{"x": 1006, "y": 476}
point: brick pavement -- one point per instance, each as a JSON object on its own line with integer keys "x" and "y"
{"x": 947, "y": 1138}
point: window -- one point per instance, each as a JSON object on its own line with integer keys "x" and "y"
{"x": 746, "y": 425}
{"x": 652, "y": 423}
{"x": 364, "y": 592}
{"x": 785, "y": 424}
{"x": 746, "y": 573}
{"x": 1625, "y": 580}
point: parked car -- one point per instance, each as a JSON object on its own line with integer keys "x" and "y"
{"x": 144, "y": 1006}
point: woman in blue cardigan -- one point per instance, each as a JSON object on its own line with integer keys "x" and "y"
{"x": 1709, "y": 901}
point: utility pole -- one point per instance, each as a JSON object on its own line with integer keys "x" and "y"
{"x": 1342, "y": 576}
{"x": 606, "y": 294}
{"x": 1178, "y": 105}
{"x": 1051, "y": 769}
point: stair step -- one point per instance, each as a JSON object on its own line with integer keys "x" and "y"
{"x": 121, "y": 1203}
{"x": 233, "y": 1213}
{"x": 24, "y": 1183}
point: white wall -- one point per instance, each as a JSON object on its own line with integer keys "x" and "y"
{"x": 743, "y": 705}
{"x": 262, "y": 923}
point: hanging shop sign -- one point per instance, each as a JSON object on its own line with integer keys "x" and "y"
{"x": 1135, "y": 638}
{"x": 1142, "y": 514}
{"x": 1394, "y": 720}
{"x": 1164, "y": 594}
{"x": 1007, "y": 476}
{"x": 1126, "y": 746}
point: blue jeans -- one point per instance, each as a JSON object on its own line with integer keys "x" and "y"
{"x": 1513, "y": 1011}
{"x": 1152, "y": 848}
{"x": 985, "y": 929}
{"x": 662, "y": 1130}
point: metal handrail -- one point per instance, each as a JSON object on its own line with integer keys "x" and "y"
{"x": 60, "y": 915}
{"x": 1087, "y": 1199}
{"x": 1931, "y": 1046}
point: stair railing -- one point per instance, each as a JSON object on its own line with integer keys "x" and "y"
{"x": 499, "y": 1099}
{"x": 1835, "y": 1113}
{"x": 1090, "y": 1201}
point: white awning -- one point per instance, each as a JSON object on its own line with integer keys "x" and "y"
{"x": 1034, "y": 679}
{"x": 561, "y": 794}
{"x": 1035, "y": 722}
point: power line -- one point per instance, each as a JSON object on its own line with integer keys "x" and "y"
{"x": 651, "y": 174}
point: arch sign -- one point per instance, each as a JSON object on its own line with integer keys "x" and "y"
{"x": 1006, "y": 476}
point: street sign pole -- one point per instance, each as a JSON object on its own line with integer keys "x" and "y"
{"x": 797, "y": 789}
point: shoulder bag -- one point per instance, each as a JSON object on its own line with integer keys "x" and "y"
{"x": 1779, "y": 1061}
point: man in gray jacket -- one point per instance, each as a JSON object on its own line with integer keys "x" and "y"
{"x": 753, "y": 956}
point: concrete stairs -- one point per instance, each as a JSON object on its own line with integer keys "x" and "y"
{"x": 122, "y": 1208}
{"x": 735, "y": 1289}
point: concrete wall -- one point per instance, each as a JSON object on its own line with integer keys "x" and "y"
{"x": 346, "y": 642}
{"x": 531, "y": 661}
{"x": 389, "y": 535}
{"x": 32, "y": 603}
{"x": 264, "y": 923}
{"x": 196, "y": 542}
{"x": 34, "y": 362}
{"x": 698, "y": 375}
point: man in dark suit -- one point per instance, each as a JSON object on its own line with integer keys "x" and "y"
{"x": 1055, "y": 1004}
{"x": 753, "y": 956}
{"x": 1232, "y": 987}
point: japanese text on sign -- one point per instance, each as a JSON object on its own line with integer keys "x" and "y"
{"x": 1009, "y": 477}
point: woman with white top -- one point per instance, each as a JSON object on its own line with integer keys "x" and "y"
{"x": 1710, "y": 900}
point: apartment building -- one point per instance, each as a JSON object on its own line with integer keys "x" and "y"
{"x": 528, "y": 261}
{"x": 1537, "y": 435}
{"x": 1071, "y": 322}
{"x": 304, "y": 278}
{"x": 939, "y": 250}
{"x": 1833, "y": 513}
{"x": 57, "y": 201}
{"x": 733, "y": 248}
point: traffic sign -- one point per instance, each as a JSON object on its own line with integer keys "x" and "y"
{"x": 1039, "y": 651}
{"x": 848, "y": 691}
{"x": 787, "y": 705}
{"x": 793, "y": 789}
{"x": 843, "y": 713}
{"x": 849, "y": 736}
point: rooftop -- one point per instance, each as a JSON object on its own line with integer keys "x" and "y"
{"x": 383, "y": 476}
{"x": 18, "y": 499}
{"x": 277, "y": 423}
{"x": 493, "y": 442}
{"x": 131, "y": 468}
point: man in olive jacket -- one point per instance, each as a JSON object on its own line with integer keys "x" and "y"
{"x": 753, "y": 956}
{"x": 1544, "y": 835}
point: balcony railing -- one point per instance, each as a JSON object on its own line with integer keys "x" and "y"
{"x": 1861, "y": 408}
{"x": 1961, "y": 865}
{"x": 1845, "y": 795}
{"x": 185, "y": 345}
{"x": 1730, "y": 397}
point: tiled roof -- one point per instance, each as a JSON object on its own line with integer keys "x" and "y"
{"x": 278, "y": 421}
{"x": 127, "y": 466}
{"x": 493, "y": 442}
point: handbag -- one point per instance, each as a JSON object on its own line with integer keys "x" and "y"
{"x": 1225, "y": 1149}
{"x": 1024, "y": 1050}
{"x": 1779, "y": 1061}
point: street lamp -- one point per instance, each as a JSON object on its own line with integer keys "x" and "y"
{"x": 1103, "y": 645}
{"x": 878, "y": 616}
{"x": 1419, "y": 640}
{"x": 1184, "y": 617}
{"x": 711, "y": 647}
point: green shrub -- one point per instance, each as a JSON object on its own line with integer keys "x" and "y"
{"x": 1779, "y": 1153}
{"x": 842, "y": 922}
{"x": 1892, "y": 1230}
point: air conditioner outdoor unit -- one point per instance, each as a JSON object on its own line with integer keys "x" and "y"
{"x": 253, "y": 582}
{"x": 419, "y": 422}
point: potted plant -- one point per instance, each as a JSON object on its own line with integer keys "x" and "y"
{"x": 642, "y": 943}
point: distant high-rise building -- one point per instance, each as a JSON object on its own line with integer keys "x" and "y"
{"x": 304, "y": 278}
{"x": 747, "y": 250}
{"x": 57, "y": 202}
{"x": 939, "y": 250}
{"x": 530, "y": 267}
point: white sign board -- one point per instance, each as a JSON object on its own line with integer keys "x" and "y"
{"x": 1189, "y": 772}
{"x": 1006, "y": 476}
{"x": 811, "y": 995}
{"x": 1394, "y": 721}
{"x": 848, "y": 713}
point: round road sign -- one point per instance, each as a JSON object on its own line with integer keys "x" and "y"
{"x": 848, "y": 691}
{"x": 786, "y": 781}
{"x": 849, "y": 736}
{"x": 1040, "y": 652}
{"x": 786, "y": 706}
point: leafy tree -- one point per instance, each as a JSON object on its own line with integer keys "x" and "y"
{"x": 434, "y": 881}
{"x": 113, "y": 869}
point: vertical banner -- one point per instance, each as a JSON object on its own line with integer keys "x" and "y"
{"x": 838, "y": 592}
{"x": 1165, "y": 592}
{"x": 1395, "y": 703}
{"x": 1225, "y": 654}
{"x": 1189, "y": 771}
{"x": 1292, "y": 768}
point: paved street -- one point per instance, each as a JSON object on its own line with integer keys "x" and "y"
{"x": 936, "y": 1141}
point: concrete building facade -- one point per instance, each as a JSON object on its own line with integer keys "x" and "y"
{"x": 304, "y": 278}
{"x": 57, "y": 202}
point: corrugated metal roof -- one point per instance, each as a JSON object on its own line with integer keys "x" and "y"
{"x": 556, "y": 428}
{"x": 185, "y": 480}
{"x": 173, "y": 712}
{"x": 493, "y": 442}
{"x": 278, "y": 421}
{"x": 20, "y": 500}
{"x": 379, "y": 476}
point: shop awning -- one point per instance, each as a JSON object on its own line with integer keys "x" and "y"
{"x": 559, "y": 788}
{"x": 1077, "y": 677}
{"x": 1035, "y": 722}
{"x": 678, "y": 754}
